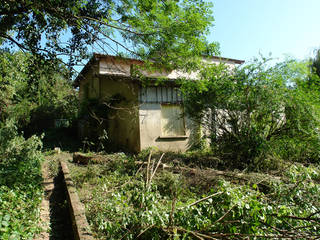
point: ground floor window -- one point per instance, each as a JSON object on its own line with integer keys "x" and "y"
{"x": 172, "y": 120}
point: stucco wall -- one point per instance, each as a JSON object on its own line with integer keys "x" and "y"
{"x": 87, "y": 89}
{"x": 150, "y": 130}
{"x": 123, "y": 129}
{"x": 89, "y": 85}
{"x": 123, "y": 124}
{"x": 83, "y": 89}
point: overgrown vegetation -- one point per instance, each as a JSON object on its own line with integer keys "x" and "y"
{"x": 94, "y": 116}
{"x": 315, "y": 64}
{"x": 168, "y": 32}
{"x": 256, "y": 116}
{"x": 34, "y": 95}
{"x": 126, "y": 200}
{"x": 20, "y": 183}
{"x": 30, "y": 99}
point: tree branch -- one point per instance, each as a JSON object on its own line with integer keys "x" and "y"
{"x": 113, "y": 26}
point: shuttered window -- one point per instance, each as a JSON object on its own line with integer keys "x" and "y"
{"x": 172, "y": 120}
{"x": 160, "y": 94}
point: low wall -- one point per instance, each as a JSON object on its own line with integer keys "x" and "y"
{"x": 80, "y": 224}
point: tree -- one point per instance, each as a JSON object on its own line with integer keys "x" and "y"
{"x": 315, "y": 63}
{"x": 255, "y": 113}
{"x": 170, "y": 32}
{"x": 312, "y": 82}
{"x": 30, "y": 96}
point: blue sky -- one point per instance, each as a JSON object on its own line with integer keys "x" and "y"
{"x": 283, "y": 27}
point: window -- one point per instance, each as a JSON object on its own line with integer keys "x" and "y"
{"x": 160, "y": 94}
{"x": 172, "y": 121}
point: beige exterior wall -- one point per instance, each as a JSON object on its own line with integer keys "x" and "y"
{"x": 123, "y": 129}
{"x": 123, "y": 125}
{"x": 84, "y": 89}
{"x": 151, "y": 134}
{"x": 89, "y": 85}
{"x": 141, "y": 128}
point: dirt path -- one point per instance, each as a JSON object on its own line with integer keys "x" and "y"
{"x": 55, "y": 217}
{"x": 48, "y": 186}
{"x": 60, "y": 221}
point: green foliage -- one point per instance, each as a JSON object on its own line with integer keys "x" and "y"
{"x": 33, "y": 96}
{"x": 120, "y": 206}
{"x": 245, "y": 210}
{"x": 19, "y": 213}
{"x": 94, "y": 116}
{"x": 255, "y": 114}
{"x": 315, "y": 63}
{"x": 20, "y": 184}
{"x": 168, "y": 31}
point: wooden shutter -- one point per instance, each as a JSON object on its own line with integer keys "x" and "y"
{"x": 172, "y": 120}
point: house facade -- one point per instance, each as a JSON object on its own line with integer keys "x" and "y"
{"x": 150, "y": 115}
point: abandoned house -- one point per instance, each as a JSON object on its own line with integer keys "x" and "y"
{"x": 148, "y": 116}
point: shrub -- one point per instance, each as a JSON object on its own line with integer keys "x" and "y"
{"x": 250, "y": 113}
{"x": 94, "y": 117}
{"x": 20, "y": 183}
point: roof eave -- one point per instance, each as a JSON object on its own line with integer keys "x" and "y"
{"x": 97, "y": 56}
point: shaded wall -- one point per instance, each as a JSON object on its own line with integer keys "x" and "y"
{"x": 123, "y": 122}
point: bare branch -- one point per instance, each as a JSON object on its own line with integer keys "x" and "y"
{"x": 154, "y": 172}
{"x": 204, "y": 199}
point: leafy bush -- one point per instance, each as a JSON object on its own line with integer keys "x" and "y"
{"x": 20, "y": 183}
{"x": 256, "y": 115}
{"x": 244, "y": 211}
{"x": 19, "y": 212}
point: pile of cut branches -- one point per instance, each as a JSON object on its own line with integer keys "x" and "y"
{"x": 150, "y": 204}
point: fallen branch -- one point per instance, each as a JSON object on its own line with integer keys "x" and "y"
{"x": 146, "y": 229}
{"x": 194, "y": 233}
{"x": 154, "y": 172}
{"x": 224, "y": 215}
{"x": 243, "y": 235}
{"x": 311, "y": 219}
{"x": 203, "y": 199}
{"x": 148, "y": 166}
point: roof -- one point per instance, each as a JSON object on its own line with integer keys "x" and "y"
{"x": 97, "y": 56}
